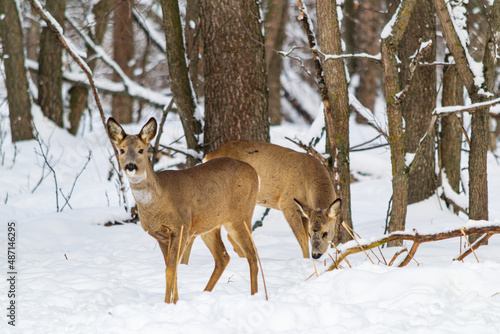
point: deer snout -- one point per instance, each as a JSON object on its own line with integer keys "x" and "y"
{"x": 131, "y": 168}
{"x": 316, "y": 255}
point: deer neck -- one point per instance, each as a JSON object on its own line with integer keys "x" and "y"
{"x": 144, "y": 186}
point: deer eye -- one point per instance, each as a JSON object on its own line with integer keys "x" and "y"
{"x": 325, "y": 234}
{"x": 141, "y": 151}
{"x": 122, "y": 151}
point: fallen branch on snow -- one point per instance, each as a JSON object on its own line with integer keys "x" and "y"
{"x": 361, "y": 245}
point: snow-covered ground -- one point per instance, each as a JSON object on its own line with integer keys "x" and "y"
{"x": 74, "y": 275}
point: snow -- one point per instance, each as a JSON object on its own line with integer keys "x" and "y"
{"x": 458, "y": 16}
{"x": 387, "y": 30}
{"x": 77, "y": 276}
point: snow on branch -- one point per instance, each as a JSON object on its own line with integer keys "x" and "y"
{"x": 132, "y": 88}
{"x": 441, "y": 111}
{"x": 484, "y": 228}
{"x": 456, "y": 39}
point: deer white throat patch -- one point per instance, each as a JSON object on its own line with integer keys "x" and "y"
{"x": 132, "y": 178}
{"x": 142, "y": 196}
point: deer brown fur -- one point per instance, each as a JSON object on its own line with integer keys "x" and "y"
{"x": 176, "y": 206}
{"x": 296, "y": 184}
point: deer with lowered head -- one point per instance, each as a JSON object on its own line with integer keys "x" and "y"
{"x": 295, "y": 183}
{"x": 176, "y": 206}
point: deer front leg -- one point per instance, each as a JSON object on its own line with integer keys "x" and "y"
{"x": 294, "y": 219}
{"x": 169, "y": 250}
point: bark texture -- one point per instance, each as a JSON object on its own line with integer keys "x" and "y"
{"x": 123, "y": 54}
{"x": 181, "y": 87}
{"x": 450, "y": 143}
{"x": 50, "y": 67}
{"x": 15, "y": 72}
{"x": 336, "y": 83}
{"x": 275, "y": 23}
{"x": 236, "y": 96}
{"x": 416, "y": 109}
{"x": 79, "y": 93}
{"x": 390, "y": 44}
{"x": 367, "y": 39}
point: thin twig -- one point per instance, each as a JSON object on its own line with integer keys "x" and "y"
{"x": 468, "y": 243}
{"x": 396, "y": 255}
{"x": 74, "y": 182}
{"x": 352, "y": 235}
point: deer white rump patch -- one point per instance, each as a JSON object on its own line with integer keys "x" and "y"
{"x": 132, "y": 178}
{"x": 142, "y": 196}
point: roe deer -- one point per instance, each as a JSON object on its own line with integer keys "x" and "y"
{"x": 176, "y": 206}
{"x": 296, "y": 184}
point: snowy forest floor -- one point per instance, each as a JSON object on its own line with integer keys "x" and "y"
{"x": 74, "y": 275}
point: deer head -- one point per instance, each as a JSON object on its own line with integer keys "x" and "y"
{"x": 322, "y": 225}
{"x": 133, "y": 148}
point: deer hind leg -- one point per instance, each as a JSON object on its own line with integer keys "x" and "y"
{"x": 242, "y": 236}
{"x": 214, "y": 243}
{"x": 298, "y": 226}
{"x": 236, "y": 247}
{"x": 187, "y": 251}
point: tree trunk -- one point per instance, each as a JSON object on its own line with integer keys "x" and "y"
{"x": 123, "y": 54}
{"x": 236, "y": 97}
{"x": 275, "y": 23}
{"x": 390, "y": 44}
{"x": 478, "y": 181}
{"x": 192, "y": 32}
{"x": 181, "y": 87}
{"x": 417, "y": 111}
{"x": 336, "y": 83}
{"x": 450, "y": 144}
{"x": 15, "y": 72}
{"x": 479, "y": 141}
{"x": 32, "y": 37}
{"x": 349, "y": 36}
{"x": 367, "y": 33}
{"x": 50, "y": 67}
{"x": 79, "y": 93}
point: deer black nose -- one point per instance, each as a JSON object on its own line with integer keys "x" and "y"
{"x": 131, "y": 167}
{"x": 316, "y": 255}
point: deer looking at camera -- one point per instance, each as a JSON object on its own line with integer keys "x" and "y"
{"x": 295, "y": 183}
{"x": 177, "y": 206}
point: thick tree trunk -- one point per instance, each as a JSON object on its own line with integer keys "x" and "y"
{"x": 450, "y": 144}
{"x": 367, "y": 33}
{"x": 417, "y": 110}
{"x": 390, "y": 44}
{"x": 181, "y": 87}
{"x": 236, "y": 97}
{"x": 123, "y": 54}
{"x": 192, "y": 33}
{"x": 275, "y": 23}
{"x": 336, "y": 83}
{"x": 478, "y": 181}
{"x": 79, "y": 93}
{"x": 15, "y": 72}
{"x": 50, "y": 67}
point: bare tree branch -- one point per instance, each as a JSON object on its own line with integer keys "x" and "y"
{"x": 73, "y": 52}
{"x": 363, "y": 246}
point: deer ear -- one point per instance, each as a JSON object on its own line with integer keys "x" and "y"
{"x": 304, "y": 209}
{"x": 334, "y": 209}
{"x": 148, "y": 131}
{"x": 115, "y": 131}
